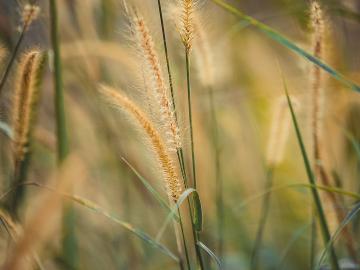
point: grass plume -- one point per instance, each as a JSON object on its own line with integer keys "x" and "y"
{"x": 172, "y": 181}
{"x": 25, "y": 100}
{"x": 24, "y": 112}
{"x": 157, "y": 82}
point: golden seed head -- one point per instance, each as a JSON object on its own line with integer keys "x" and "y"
{"x": 157, "y": 84}
{"x": 187, "y": 25}
{"x": 171, "y": 178}
{"x": 25, "y": 99}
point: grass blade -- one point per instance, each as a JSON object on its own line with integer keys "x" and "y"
{"x": 6, "y": 129}
{"x": 69, "y": 243}
{"x": 210, "y": 253}
{"x": 273, "y": 34}
{"x": 173, "y": 212}
{"x": 316, "y": 197}
{"x": 350, "y": 216}
{"x": 147, "y": 185}
{"x": 197, "y": 210}
{"x": 139, "y": 233}
{"x": 99, "y": 210}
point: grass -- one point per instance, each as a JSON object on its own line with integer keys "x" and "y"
{"x": 192, "y": 171}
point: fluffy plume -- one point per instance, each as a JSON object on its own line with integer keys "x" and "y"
{"x": 25, "y": 99}
{"x": 157, "y": 84}
{"x": 118, "y": 100}
{"x": 186, "y": 22}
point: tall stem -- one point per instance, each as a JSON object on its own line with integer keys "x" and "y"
{"x": 12, "y": 59}
{"x": 69, "y": 241}
{"x": 193, "y": 161}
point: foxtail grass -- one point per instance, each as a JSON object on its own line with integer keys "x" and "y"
{"x": 186, "y": 29}
{"x": 172, "y": 181}
{"x": 25, "y": 97}
{"x": 317, "y": 102}
{"x": 158, "y": 86}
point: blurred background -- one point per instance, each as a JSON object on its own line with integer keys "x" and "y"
{"x": 246, "y": 74}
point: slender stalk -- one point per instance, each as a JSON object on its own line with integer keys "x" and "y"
{"x": 184, "y": 241}
{"x": 262, "y": 222}
{"x": 196, "y": 234}
{"x": 69, "y": 241}
{"x": 179, "y": 151}
{"x": 218, "y": 179}
{"x": 193, "y": 161}
{"x": 320, "y": 211}
{"x": 167, "y": 57}
{"x": 12, "y": 59}
{"x": 313, "y": 239}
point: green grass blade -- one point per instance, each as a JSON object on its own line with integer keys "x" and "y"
{"x": 350, "y": 216}
{"x": 197, "y": 210}
{"x": 147, "y": 185}
{"x": 316, "y": 197}
{"x": 139, "y": 233}
{"x": 300, "y": 185}
{"x": 281, "y": 39}
{"x": 99, "y": 210}
{"x": 295, "y": 237}
{"x": 210, "y": 253}
{"x": 353, "y": 141}
{"x": 173, "y": 212}
{"x": 69, "y": 242}
{"x": 6, "y": 129}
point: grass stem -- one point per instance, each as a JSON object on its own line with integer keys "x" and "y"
{"x": 69, "y": 244}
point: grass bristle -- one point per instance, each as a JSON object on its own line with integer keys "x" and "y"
{"x": 172, "y": 181}
{"x": 158, "y": 87}
{"x": 25, "y": 100}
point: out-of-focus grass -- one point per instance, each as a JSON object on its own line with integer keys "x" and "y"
{"x": 97, "y": 46}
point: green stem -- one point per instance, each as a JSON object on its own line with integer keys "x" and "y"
{"x": 69, "y": 244}
{"x": 322, "y": 218}
{"x": 12, "y": 59}
{"x": 262, "y": 222}
{"x": 167, "y": 58}
{"x": 313, "y": 239}
{"x": 193, "y": 161}
{"x": 184, "y": 241}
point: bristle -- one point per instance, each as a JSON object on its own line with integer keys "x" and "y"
{"x": 279, "y": 132}
{"x": 172, "y": 181}
{"x": 157, "y": 85}
{"x": 187, "y": 24}
{"x": 25, "y": 99}
{"x": 29, "y": 14}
